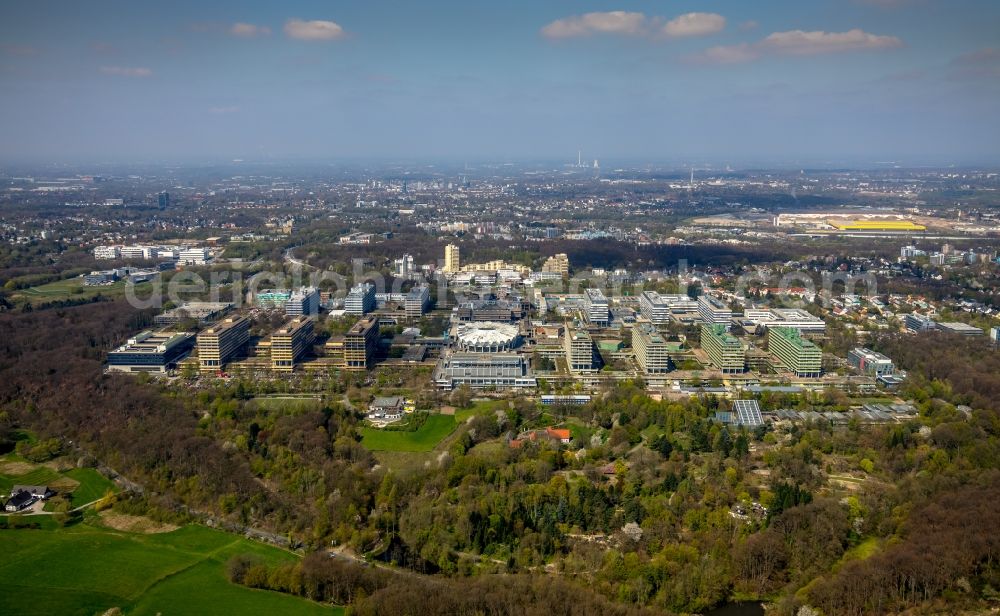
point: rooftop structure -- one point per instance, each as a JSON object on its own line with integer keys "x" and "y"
{"x": 202, "y": 312}
{"x": 487, "y": 337}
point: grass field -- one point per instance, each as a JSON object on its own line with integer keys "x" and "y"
{"x": 434, "y": 430}
{"x": 87, "y": 569}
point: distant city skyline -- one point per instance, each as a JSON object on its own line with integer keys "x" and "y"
{"x": 830, "y": 82}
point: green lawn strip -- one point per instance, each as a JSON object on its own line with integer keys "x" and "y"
{"x": 432, "y": 432}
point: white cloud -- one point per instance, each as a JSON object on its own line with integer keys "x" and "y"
{"x": 695, "y": 24}
{"x": 612, "y": 22}
{"x": 127, "y": 71}
{"x": 798, "y": 43}
{"x": 224, "y": 110}
{"x": 748, "y": 25}
{"x": 314, "y": 30}
{"x": 246, "y": 30}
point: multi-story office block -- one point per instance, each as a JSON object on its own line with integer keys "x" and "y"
{"x": 361, "y": 299}
{"x": 712, "y": 310}
{"x": 797, "y": 354}
{"x": 290, "y": 343}
{"x": 416, "y": 301}
{"x": 651, "y": 350}
{"x": 596, "y": 307}
{"x": 106, "y": 252}
{"x": 223, "y": 341}
{"x": 916, "y": 322}
{"x": 272, "y": 298}
{"x": 580, "y": 353}
{"x": 360, "y": 344}
{"x": 305, "y": 302}
{"x": 869, "y": 362}
{"x": 479, "y": 370}
{"x": 722, "y": 348}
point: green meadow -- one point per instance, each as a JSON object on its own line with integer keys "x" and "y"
{"x": 425, "y": 438}
{"x": 88, "y": 569}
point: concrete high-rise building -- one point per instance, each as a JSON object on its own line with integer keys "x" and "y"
{"x": 722, "y": 348}
{"x": 290, "y": 343}
{"x": 452, "y": 261}
{"x": 223, "y": 341}
{"x": 797, "y": 354}
{"x": 361, "y": 299}
{"x": 596, "y": 307}
{"x": 580, "y": 353}
{"x": 163, "y": 199}
{"x": 416, "y": 301}
{"x": 651, "y": 350}
{"x": 360, "y": 344}
{"x": 712, "y": 310}
{"x": 305, "y": 302}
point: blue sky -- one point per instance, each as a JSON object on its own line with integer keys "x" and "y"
{"x": 727, "y": 81}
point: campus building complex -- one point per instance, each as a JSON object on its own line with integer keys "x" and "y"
{"x": 596, "y": 307}
{"x": 479, "y": 370}
{"x": 579, "y": 347}
{"x": 712, "y": 310}
{"x": 869, "y": 362}
{"x": 797, "y": 354}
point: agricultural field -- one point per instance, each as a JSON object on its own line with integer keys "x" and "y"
{"x": 81, "y": 485}
{"x": 425, "y": 438}
{"x": 157, "y": 570}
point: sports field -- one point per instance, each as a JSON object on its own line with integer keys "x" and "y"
{"x": 88, "y": 568}
{"x": 434, "y": 430}
{"x": 73, "y": 288}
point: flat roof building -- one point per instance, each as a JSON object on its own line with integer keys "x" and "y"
{"x": 651, "y": 350}
{"x": 723, "y": 349}
{"x": 796, "y": 354}
{"x": 416, "y": 301}
{"x": 150, "y": 352}
{"x": 796, "y": 318}
{"x": 596, "y": 307}
{"x": 580, "y": 354}
{"x": 916, "y": 322}
{"x": 304, "y": 302}
{"x": 202, "y": 312}
{"x": 712, "y": 310}
{"x": 480, "y": 370}
{"x": 290, "y": 343}
{"x": 452, "y": 261}
{"x": 223, "y": 341}
{"x": 869, "y": 362}
{"x": 360, "y": 344}
{"x": 361, "y": 299}
{"x": 962, "y": 329}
